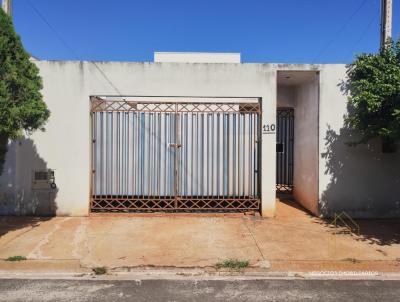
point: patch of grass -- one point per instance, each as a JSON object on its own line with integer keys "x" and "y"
{"x": 234, "y": 264}
{"x": 16, "y": 258}
{"x": 99, "y": 270}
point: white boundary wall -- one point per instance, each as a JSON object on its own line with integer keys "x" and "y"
{"x": 361, "y": 180}
{"x": 65, "y": 146}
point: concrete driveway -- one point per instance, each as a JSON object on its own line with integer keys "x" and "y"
{"x": 293, "y": 240}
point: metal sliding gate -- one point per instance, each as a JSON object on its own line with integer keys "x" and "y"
{"x": 284, "y": 150}
{"x": 168, "y": 156}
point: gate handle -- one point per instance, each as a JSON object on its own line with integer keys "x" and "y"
{"x": 177, "y": 145}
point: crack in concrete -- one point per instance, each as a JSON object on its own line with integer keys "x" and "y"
{"x": 80, "y": 237}
{"x": 255, "y": 241}
{"x": 36, "y": 253}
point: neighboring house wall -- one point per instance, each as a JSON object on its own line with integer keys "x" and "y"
{"x": 65, "y": 146}
{"x": 360, "y": 180}
{"x": 195, "y": 57}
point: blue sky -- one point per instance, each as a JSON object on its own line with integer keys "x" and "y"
{"x": 287, "y": 31}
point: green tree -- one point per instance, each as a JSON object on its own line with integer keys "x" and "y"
{"x": 21, "y": 103}
{"x": 374, "y": 101}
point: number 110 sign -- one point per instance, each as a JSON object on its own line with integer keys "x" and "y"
{"x": 268, "y": 128}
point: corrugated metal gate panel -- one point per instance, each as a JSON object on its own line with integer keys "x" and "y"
{"x": 174, "y": 156}
{"x": 284, "y": 154}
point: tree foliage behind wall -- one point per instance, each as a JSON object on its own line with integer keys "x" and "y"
{"x": 21, "y": 103}
{"x": 374, "y": 101}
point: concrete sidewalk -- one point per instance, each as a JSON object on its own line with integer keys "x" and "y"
{"x": 293, "y": 241}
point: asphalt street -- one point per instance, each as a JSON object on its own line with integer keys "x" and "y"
{"x": 198, "y": 290}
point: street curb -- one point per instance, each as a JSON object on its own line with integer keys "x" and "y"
{"x": 299, "y": 269}
{"x": 194, "y": 274}
{"x": 135, "y": 277}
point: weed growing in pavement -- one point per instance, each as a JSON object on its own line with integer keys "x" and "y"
{"x": 234, "y": 264}
{"x": 352, "y": 260}
{"x": 16, "y": 258}
{"x": 99, "y": 270}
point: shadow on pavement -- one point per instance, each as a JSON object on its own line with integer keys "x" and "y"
{"x": 13, "y": 223}
{"x": 373, "y": 231}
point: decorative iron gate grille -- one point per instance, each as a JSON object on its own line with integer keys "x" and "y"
{"x": 284, "y": 150}
{"x": 169, "y": 156}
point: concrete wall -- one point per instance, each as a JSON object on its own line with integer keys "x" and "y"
{"x": 65, "y": 144}
{"x": 8, "y": 181}
{"x": 360, "y": 180}
{"x": 286, "y": 96}
{"x": 305, "y": 176}
{"x": 329, "y": 175}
